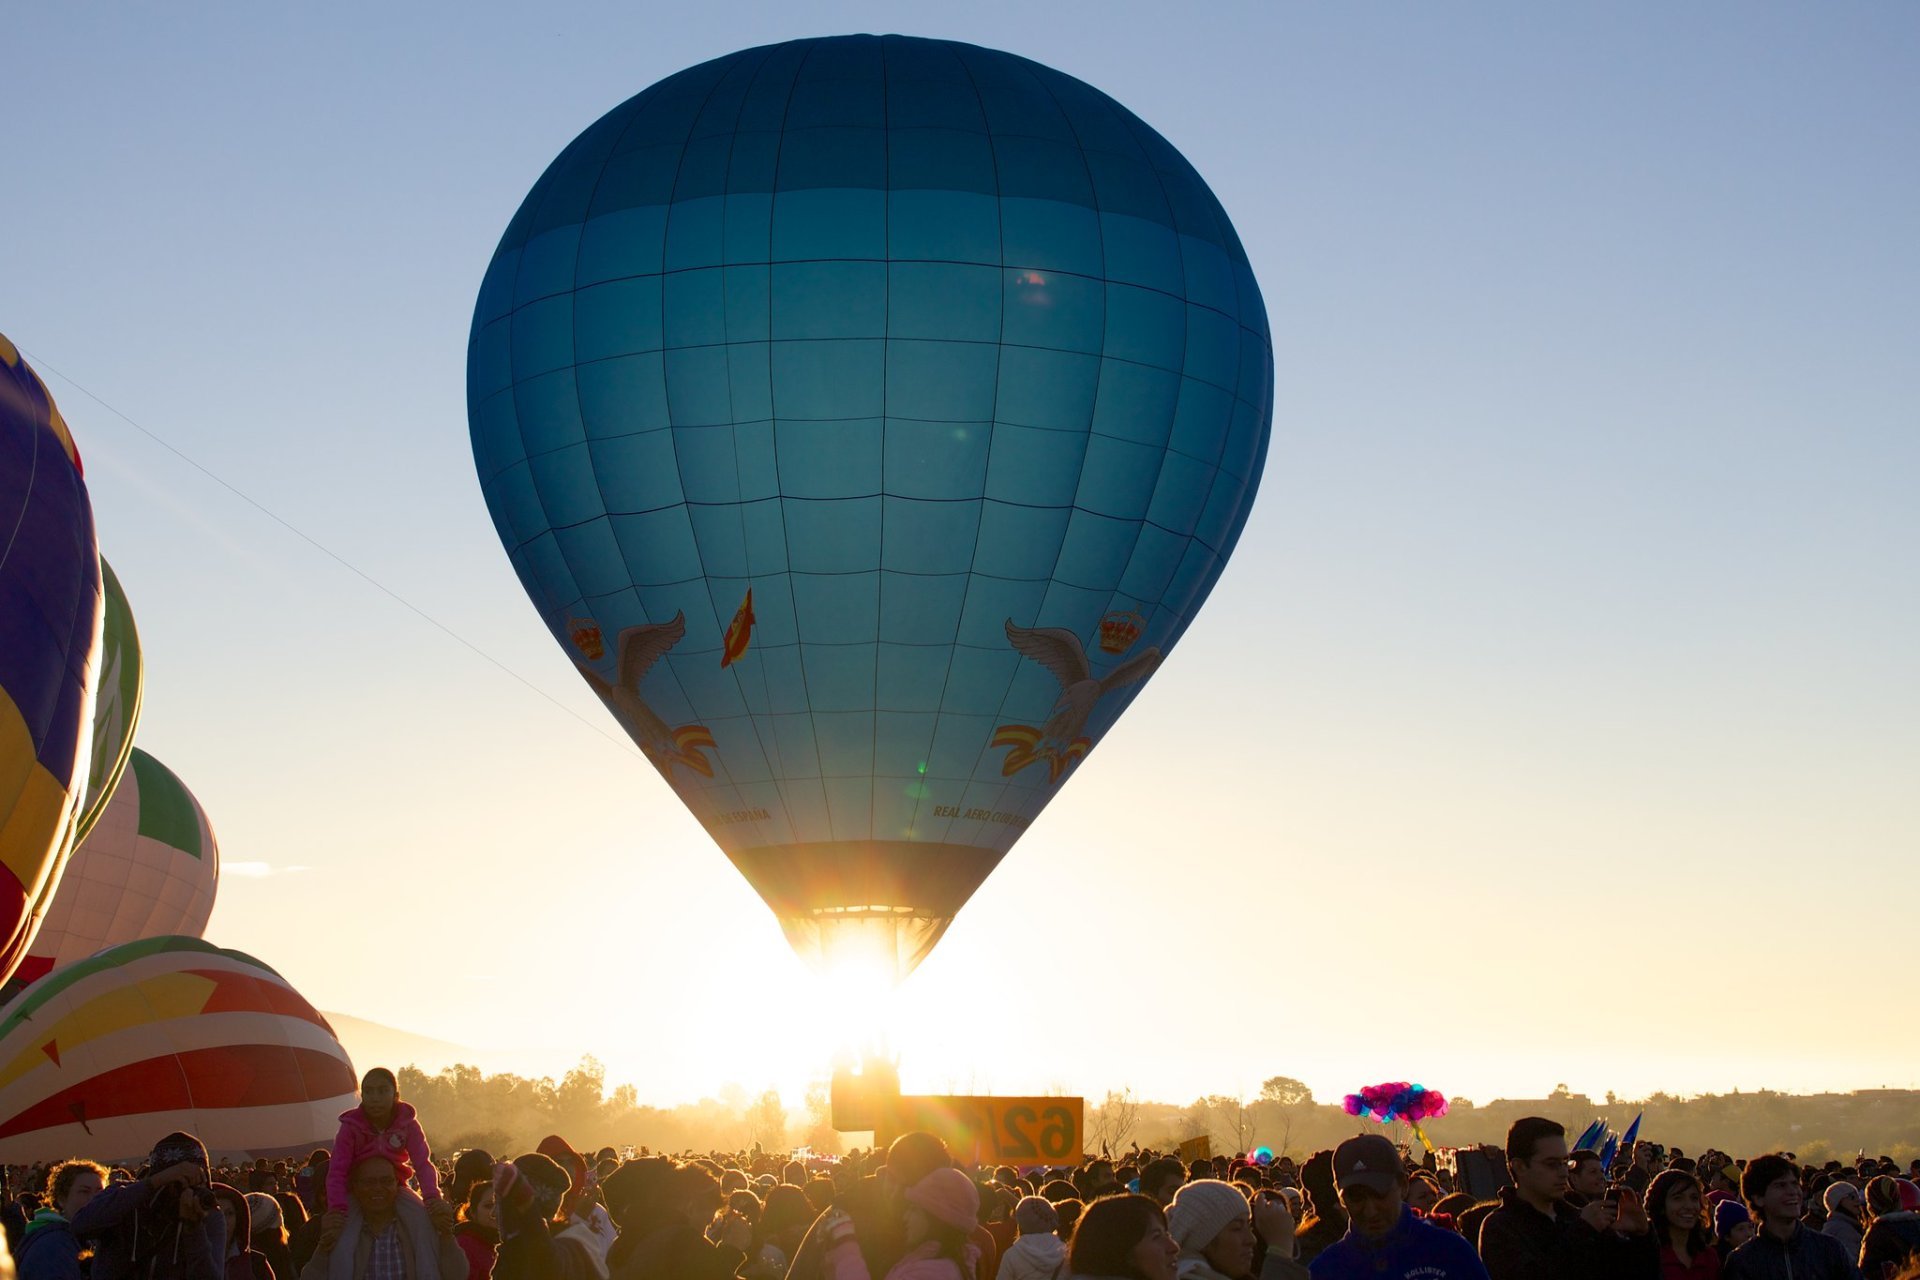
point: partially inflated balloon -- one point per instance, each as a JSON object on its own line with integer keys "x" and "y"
{"x": 149, "y": 869}
{"x": 116, "y": 711}
{"x": 106, "y": 1055}
{"x": 49, "y": 639}
{"x": 868, "y": 417}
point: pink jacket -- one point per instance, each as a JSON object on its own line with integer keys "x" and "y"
{"x": 843, "y": 1262}
{"x": 402, "y": 1140}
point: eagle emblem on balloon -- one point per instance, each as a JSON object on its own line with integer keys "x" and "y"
{"x": 636, "y": 649}
{"x": 1062, "y": 739}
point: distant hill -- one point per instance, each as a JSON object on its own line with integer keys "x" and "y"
{"x": 370, "y": 1044}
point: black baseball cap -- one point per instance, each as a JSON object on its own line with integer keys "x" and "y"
{"x": 1369, "y": 1161}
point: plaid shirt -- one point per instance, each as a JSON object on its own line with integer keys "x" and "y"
{"x": 388, "y": 1260}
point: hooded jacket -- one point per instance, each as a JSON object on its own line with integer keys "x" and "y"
{"x": 1040, "y": 1256}
{"x": 242, "y": 1262}
{"x": 1804, "y": 1255}
{"x": 48, "y": 1249}
{"x": 402, "y": 1141}
{"x": 137, "y": 1234}
{"x": 1414, "y": 1248}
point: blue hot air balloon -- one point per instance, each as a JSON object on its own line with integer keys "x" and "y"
{"x": 868, "y": 417}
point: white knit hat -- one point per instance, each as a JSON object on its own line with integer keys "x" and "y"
{"x": 1201, "y": 1211}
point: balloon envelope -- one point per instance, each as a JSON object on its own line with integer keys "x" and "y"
{"x": 867, "y": 417}
{"x": 49, "y": 638}
{"x": 116, "y": 711}
{"x": 103, "y": 1057}
{"x": 150, "y": 868}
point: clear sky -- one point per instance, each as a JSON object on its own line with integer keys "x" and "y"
{"x": 1558, "y": 718}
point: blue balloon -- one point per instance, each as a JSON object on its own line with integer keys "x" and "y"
{"x": 867, "y": 417}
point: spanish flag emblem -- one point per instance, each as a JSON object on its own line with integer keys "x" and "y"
{"x": 739, "y": 632}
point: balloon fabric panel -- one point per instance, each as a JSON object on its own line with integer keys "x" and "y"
{"x": 116, "y": 712}
{"x": 151, "y": 867}
{"x": 946, "y": 357}
{"x": 166, "y": 1033}
{"x": 50, "y": 620}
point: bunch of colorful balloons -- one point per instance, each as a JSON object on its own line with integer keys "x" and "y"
{"x": 1396, "y": 1100}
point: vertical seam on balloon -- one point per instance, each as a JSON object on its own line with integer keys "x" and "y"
{"x": 1052, "y": 577}
{"x": 733, "y": 435}
{"x": 1173, "y": 226}
{"x": 886, "y": 349}
{"x": 780, "y": 485}
{"x": 772, "y": 758}
{"x": 1118, "y": 595}
{"x": 705, "y": 792}
{"x": 1000, "y": 228}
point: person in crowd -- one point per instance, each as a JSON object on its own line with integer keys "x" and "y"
{"x": 1423, "y": 1192}
{"x": 48, "y": 1248}
{"x": 1586, "y": 1178}
{"x": 269, "y": 1237}
{"x": 1892, "y": 1236}
{"x": 875, "y": 1206}
{"x": 243, "y": 1261}
{"x": 671, "y": 1224}
{"x": 1676, "y": 1207}
{"x": 385, "y": 1234}
{"x": 1447, "y": 1212}
{"x": 942, "y": 1213}
{"x": 1386, "y": 1239}
{"x": 1782, "y": 1247}
{"x": 1160, "y": 1179}
{"x": 470, "y": 1168}
{"x": 1646, "y": 1161}
{"x": 1069, "y": 1210}
{"x": 478, "y": 1231}
{"x": 163, "y": 1225}
{"x": 1732, "y": 1227}
{"x": 1536, "y": 1235}
{"x": 385, "y": 1126}
{"x": 1214, "y": 1226}
{"x": 1327, "y": 1220}
{"x": 783, "y": 1223}
{"x": 1123, "y": 1237}
{"x": 1846, "y": 1215}
{"x": 1038, "y": 1252}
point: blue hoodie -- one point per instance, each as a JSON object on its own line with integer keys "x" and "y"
{"x": 1414, "y": 1250}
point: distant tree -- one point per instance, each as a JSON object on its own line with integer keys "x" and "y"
{"x": 767, "y": 1121}
{"x": 1111, "y": 1124}
{"x": 1285, "y": 1091}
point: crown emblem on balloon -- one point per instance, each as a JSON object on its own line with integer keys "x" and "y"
{"x": 1119, "y": 629}
{"x": 585, "y": 634}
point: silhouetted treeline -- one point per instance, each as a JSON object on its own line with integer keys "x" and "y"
{"x": 464, "y": 1107}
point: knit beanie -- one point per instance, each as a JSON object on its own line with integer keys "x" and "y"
{"x": 1727, "y": 1215}
{"x": 948, "y": 1196}
{"x": 546, "y": 1183}
{"x": 176, "y": 1148}
{"x": 1883, "y": 1195}
{"x": 1838, "y": 1194}
{"x": 1201, "y": 1211}
{"x": 555, "y": 1148}
{"x": 264, "y": 1211}
{"x": 1035, "y": 1216}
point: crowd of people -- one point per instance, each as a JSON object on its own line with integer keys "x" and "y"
{"x": 377, "y": 1206}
